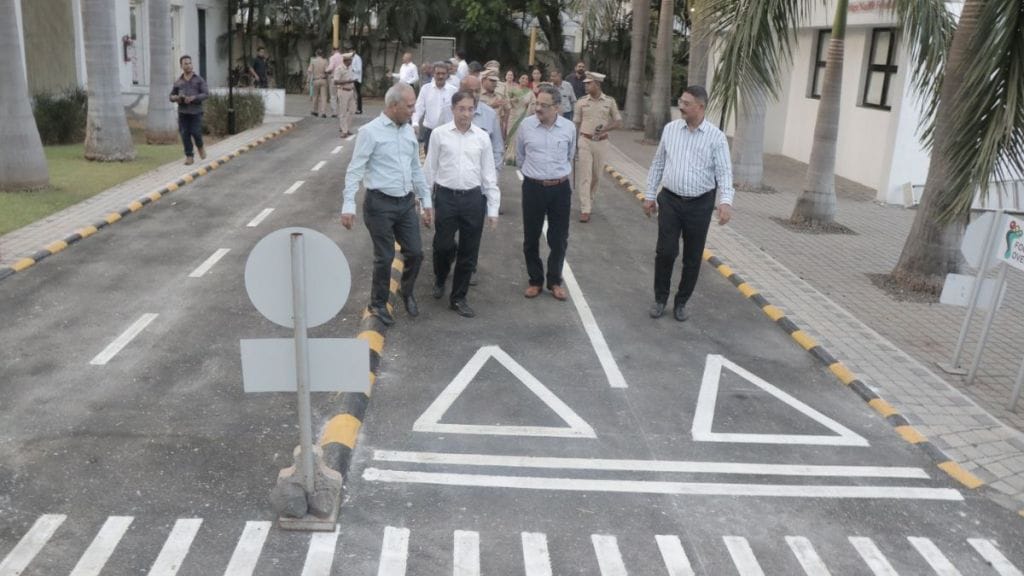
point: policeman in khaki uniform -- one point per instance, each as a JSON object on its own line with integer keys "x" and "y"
{"x": 317, "y": 71}
{"x": 595, "y": 115}
{"x": 344, "y": 82}
{"x": 494, "y": 94}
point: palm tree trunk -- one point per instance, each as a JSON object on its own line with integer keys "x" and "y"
{"x": 637, "y": 65}
{"x": 817, "y": 204}
{"x": 161, "y": 121}
{"x": 22, "y": 161}
{"x": 932, "y": 249}
{"x": 748, "y": 143}
{"x": 107, "y": 137}
{"x": 662, "y": 91}
{"x": 700, "y": 47}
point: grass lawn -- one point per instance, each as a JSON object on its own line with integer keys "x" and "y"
{"x": 73, "y": 179}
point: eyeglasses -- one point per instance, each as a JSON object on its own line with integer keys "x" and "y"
{"x": 543, "y": 106}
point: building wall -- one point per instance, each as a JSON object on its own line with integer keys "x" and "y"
{"x": 49, "y": 36}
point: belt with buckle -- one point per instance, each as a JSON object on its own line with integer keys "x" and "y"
{"x": 594, "y": 138}
{"x": 549, "y": 183}
{"x": 455, "y": 192}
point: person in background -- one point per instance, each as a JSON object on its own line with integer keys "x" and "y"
{"x": 596, "y": 114}
{"x": 258, "y": 68}
{"x": 577, "y": 78}
{"x": 332, "y": 63}
{"x": 408, "y": 72}
{"x": 568, "y": 94}
{"x": 433, "y": 105}
{"x": 475, "y": 68}
{"x": 453, "y": 79}
{"x": 344, "y": 87}
{"x": 495, "y": 95}
{"x": 357, "y": 72}
{"x": 536, "y": 77}
{"x": 189, "y": 91}
{"x": 317, "y": 72}
{"x": 461, "y": 67}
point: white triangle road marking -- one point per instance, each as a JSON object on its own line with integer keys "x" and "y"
{"x": 430, "y": 420}
{"x": 705, "y": 413}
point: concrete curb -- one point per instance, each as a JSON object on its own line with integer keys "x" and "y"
{"x": 136, "y": 205}
{"x": 899, "y": 423}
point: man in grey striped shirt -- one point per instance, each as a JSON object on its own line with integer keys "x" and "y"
{"x": 691, "y": 162}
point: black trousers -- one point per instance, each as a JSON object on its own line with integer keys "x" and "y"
{"x": 425, "y": 137}
{"x": 553, "y": 202}
{"x": 689, "y": 218}
{"x": 190, "y": 126}
{"x": 462, "y": 212}
{"x": 359, "y": 97}
{"x": 390, "y": 219}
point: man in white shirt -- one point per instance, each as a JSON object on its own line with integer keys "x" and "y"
{"x": 357, "y": 70}
{"x": 408, "y": 72}
{"x": 460, "y": 171}
{"x": 434, "y": 104}
{"x": 461, "y": 67}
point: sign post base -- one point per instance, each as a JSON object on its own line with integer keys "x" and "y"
{"x": 950, "y": 369}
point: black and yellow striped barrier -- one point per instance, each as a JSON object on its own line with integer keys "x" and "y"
{"x": 136, "y": 205}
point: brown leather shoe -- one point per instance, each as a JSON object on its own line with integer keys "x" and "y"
{"x": 559, "y": 292}
{"x": 189, "y": 160}
{"x": 532, "y": 291}
{"x": 585, "y": 217}
{"x": 202, "y": 153}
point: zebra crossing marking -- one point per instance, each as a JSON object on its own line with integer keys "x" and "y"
{"x": 675, "y": 558}
{"x": 176, "y": 547}
{"x": 807, "y": 556}
{"x": 31, "y": 544}
{"x": 872, "y": 556}
{"x": 609, "y": 559}
{"x": 247, "y": 552}
{"x": 742, "y": 556}
{"x": 933, "y": 556}
{"x": 536, "y": 558}
{"x": 987, "y": 549}
{"x": 466, "y": 553}
{"x": 393, "y": 552}
{"x": 97, "y": 554}
{"x": 320, "y": 556}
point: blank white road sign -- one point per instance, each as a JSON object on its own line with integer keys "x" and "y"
{"x": 335, "y": 365}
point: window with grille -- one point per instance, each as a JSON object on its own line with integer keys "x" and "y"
{"x": 881, "y": 68}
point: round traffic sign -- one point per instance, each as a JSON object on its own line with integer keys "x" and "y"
{"x": 268, "y": 277}
{"x": 975, "y": 237}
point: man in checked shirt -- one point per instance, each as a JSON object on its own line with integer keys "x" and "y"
{"x": 692, "y": 161}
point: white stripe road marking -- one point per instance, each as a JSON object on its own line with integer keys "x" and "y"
{"x": 647, "y": 465}
{"x": 519, "y": 174}
{"x": 467, "y": 553}
{"x": 260, "y": 217}
{"x": 247, "y": 551}
{"x": 320, "y": 557}
{"x": 30, "y": 544}
{"x": 604, "y": 354}
{"x": 118, "y": 344}
{"x": 608, "y": 557}
{"x": 291, "y": 189}
{"x": 742, "y": 556}
{"x": 808, "y": 558}
{"x": 176, "y": 547}
{"x": 536, "y": 560}
{"x": 319, "y": 165}
{"x": 993, "y": 556}
{"x": 97, "y": 554}
{"x": 352, "y": 137}
{"x": 675, "y": 558}
{"x": 209, "y": 263}
{"x": 872, "y": 556}
{"x": 930, "y": 552}
{"x": 393, "y": 552}
{"x": 651, "y": 487}
{"x": 336, "y": 149}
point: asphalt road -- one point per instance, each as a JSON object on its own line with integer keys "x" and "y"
{"x": 541, "y": 437}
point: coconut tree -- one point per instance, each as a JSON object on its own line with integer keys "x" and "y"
{"x": 700, "y": 46}
{"x": 748, "y": 141}
{"x": 638, "y": 65}
{"x": 161, "y": 124}
{"x": 107, "y": 137}
{"x": 22, "y": 162}
{"x": 661, "y": 92}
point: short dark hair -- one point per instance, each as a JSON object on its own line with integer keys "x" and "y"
{"x": 475, "y": 66}
{"x": 439, "y": 64}
{"x": 462, "y": 95}
{"x": 698, "y": 92}
{"x": 556, "y": 95}
{"x": 461, "y": 54}
{"x": 319, "y": 52}
{"x": 183, "y": 58}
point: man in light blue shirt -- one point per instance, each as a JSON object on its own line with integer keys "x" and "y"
{"x": 386, "y": 161}
{"x": 545, "y": 146}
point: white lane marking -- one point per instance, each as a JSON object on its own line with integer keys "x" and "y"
{"x": 993, "y": 556}
{"x": 675, "y": 558}
{"x": 320, "y": 556}
{"x": 536, "y": 559}
{"x": 519, "y": 174}
{"x": 260, "y": 217}
{"x": 209, "y": 263}
{"x": 806, "y": 556}
{"x": 319, "y": 165}
{"x": 121, "y": 341}
{"x": 604, "y": 354}
{"x": 753, "y": 468}
{"x": 291, "y": 189}
{"x": 708, "y": 396}
{"x": 352, "y": 137}
{"x": 393, "y": 552}
{"x": 97, "y": 554}
{"x": 30, "y": 544}
{"x": 467, "y": 553}
{"x": 872, "y": 556}
{"x": 430, "y": 420}
{"x": 336, "y": 149}
{"x": 247, "y": 551}
{"x": 176, "y": 547}
{"x": 742, "y": 556}
{"x": 651, "y": 487}
{"x": 930, "y": 552}
{"x": 609, "y": 559}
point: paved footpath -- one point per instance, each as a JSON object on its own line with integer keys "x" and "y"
{"x": 822, "y": 282}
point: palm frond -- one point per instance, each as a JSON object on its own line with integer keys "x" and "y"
{"x": 928, "y": 28}
{"x": 986, "y": 140}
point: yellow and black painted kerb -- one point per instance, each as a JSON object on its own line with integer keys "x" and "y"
{"x": 847, "y": 377}
{"x": 338, "y": 438}
{"x": 136, "y": 205}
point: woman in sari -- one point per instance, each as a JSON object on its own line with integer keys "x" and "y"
{"x": 522, "y": 100}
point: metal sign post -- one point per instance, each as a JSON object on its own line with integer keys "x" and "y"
{"x": 990, "y": 316}
{"x": 302, "y": 359}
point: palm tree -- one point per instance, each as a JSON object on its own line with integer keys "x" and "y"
{"x": 22, "y": 161}
{"x": 748, "y": 142}
{"x": 661, "y": 93}
{"x": 161, "y": 124}
{"x": 638, "y": 65}
{"x": 107, "y": 137}
{"x": 700, "y": 46}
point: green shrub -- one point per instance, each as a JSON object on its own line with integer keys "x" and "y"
{"x": 249, "y": 111}
{"x": 60, "y": 116}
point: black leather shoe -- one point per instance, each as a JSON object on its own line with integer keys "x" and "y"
{"x": 381, "y": 312}
{"x": 438, "y": 291}
{"x": 462, "y": 308}
{"x": 680, "y": 312}
{"x": 411, "y": 307}
{"x": 657, "y": 309}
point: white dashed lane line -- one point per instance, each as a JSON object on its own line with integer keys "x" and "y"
{"x": 319, "y": 165}
{"x": 259, "y": 218}
{"x": 123, "y": 340}
{"x": 209, "y": 263}
{"x": 291, "y": 189}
